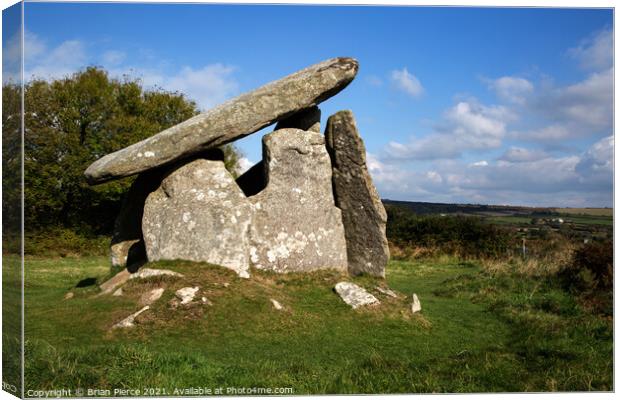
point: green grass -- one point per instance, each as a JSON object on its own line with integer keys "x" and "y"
{"x": 510, "y": 220}
{"x": 589, "y": 219}
{"x": 608, "y": 212}
{"x": 476, "y": 333}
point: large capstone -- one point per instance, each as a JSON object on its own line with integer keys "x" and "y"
{"x": 296, "y": 225}
{"x": 232, "y": 120}
{"x": 363, "y": 214}
{"x": 198, "y": 214}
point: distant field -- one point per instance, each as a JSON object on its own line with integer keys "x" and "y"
{"x": 477, "y": 332}
{"x": 606, "y": 212}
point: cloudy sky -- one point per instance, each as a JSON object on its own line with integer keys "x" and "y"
{"x": 465, "y": 105}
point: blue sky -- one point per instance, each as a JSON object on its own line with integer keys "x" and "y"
{"x": 468, "y": 105}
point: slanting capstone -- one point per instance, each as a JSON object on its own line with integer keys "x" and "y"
{"x": 354, "y": 295}
{"x": 363, "y": 214}
{"x": 199, "y": 214}
{"x": 232, "y": 120}
{"x": 296, "y": 226}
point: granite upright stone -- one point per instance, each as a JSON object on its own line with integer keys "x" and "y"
{"x": 363, "y": 214}
{"x": 296, "y": 226}
{"x": 199, "y": 214}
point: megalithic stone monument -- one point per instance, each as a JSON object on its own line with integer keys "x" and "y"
{"x": 307, "y": 205}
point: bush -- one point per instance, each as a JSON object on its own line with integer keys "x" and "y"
{"x": 461, "y": 235}
{"x": 590, "y": 273}
{"x": 62, "y": 242}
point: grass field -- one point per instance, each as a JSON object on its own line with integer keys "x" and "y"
{"x": 604, "y": 212}
{"x": 477, "y": 333}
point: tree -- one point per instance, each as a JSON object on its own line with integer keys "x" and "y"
{"x": 71, "y": 122}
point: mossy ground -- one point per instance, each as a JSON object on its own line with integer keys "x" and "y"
{"x": 478, "y": 332}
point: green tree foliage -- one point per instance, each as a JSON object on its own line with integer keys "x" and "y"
{"x": 71, "y": 122}
{"x": 11, "y": 158}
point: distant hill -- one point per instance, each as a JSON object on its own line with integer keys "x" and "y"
{"x": 419, "y": 207}
{"x": 478, "y": 209}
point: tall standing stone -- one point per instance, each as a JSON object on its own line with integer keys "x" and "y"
{"x": 296, "y": 226}
{"x": 232, "y": 120}
{"x": 199, "y": 214}
{"x": 363, "y": 214}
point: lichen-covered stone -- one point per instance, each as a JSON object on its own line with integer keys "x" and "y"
{"x": 363, "y": 214}
{"x": 354, "y": 295}
{"x": 296, "y": 225}
{"x": 415, "y": 304}
{"x": 198, "y": 214}
{"x": 232, "y": 120}
{"x": 306, "y": 120}
{"x": 186, "y": 295}
{"x": 146, "y": 273}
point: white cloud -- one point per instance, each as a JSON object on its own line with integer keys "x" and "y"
{"x": 244, "y": 165}
{"x": 208, "y": 86}
{"x": 595, "y": 52}
{"x": 407, "y": 82}
{"x": 548, "y": 134}
{"x": 573, "y": 180}
{"x": 519, "y": 154}
{"x": 583, "y": 109}
{"x": 512, "y": 89}
{"x": 589, "y": 102}
{"x": 468, "y": 125}
{"x": 45, "y": 62}
{"x": 596, "y": 165}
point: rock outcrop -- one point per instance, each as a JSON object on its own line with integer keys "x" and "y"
{"x": 199, "y": 214}
{"x": 363, "y": 214}
{"x": 296, "y": 226}
{"x": 232, "y": 120}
